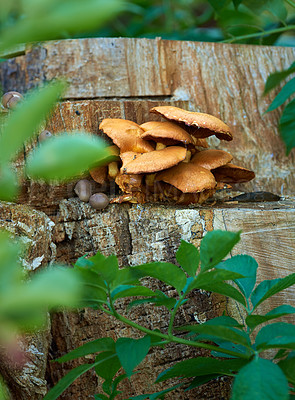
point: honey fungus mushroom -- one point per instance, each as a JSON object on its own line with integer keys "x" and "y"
{"x": 197, "y": 124}
{"x": 11, "y": 99}
{"x": 230, "y": 173}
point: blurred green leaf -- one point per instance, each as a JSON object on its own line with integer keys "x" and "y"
{"x": 287, "y": 126}
{"x": 24, "y": 121}
{"x": 218, "y": 5}
{"x": 275, "y": 7}
{"x": 65, "y": 157}
{"x": 284, "y": 94}
{"x": 237, "y": 3}
{"x": 55, "y": 19}
{"x": 188, "y": 257}
{"x": 254, "y": 320}
{"x": 8, "y": 184}
{"x": 132, "y": 351}
{"x": 95, "y": 346}
{"x": 245, "y": 265}
{"x": 157, "y": 395}
{"x": 215, "y": 246}
{"x": 277, "y": 77}
{"x": 260, "y": 379}
{"x": 269, "y": 288}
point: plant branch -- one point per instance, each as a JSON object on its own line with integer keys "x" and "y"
{"x": 171, "y": 338}
{"x": 265, "y": 33}
{"x": 173, "y": 314}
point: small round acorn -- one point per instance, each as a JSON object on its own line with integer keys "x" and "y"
{"x": 83, "y": 189}
{"x": 11, "y": 99}
{"x": 98, "y": 201}
{"x": 44, "y": 135}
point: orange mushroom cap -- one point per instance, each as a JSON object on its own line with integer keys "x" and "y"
{"x": 231, "y": 173}
{"x": 211, "y": 158}
{"x": 198, "y": 124}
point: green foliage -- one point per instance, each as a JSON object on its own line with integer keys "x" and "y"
{"x": 235, "y": 349}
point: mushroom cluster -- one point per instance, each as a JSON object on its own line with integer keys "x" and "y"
{"x": 170, "y": 160}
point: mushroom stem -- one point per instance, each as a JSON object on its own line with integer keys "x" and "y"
{"x": 160, "y": 146}
{"x": 113, "y": 170}
{"x": 187, "y": 157}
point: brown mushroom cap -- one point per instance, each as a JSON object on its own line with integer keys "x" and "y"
{"x": 44, "y": 135}
{"x": 98, "y": 201}
{"x": 198, "y": 124}
{"x": 211, "y": 158}
{"x": 153, "y": 161}
{"x": 11, "y": 99}
{"x": 167, "y": 133}
{"x": 83, "y": 189}
{"x": 188, "y": 178}
{"x": 231, "y": 173}
{"x": 126, "y": 135}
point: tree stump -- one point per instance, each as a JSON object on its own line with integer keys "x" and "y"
{"x": 124, "y": 78}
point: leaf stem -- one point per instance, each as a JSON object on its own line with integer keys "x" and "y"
{"x": 290, "y": 2}
{"x": 173, "y": 314}
{"x": 265, "y": 33}
{"x": 171, "y": 338}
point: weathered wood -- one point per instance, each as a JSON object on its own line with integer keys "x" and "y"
{"x": 36, "y": 229}
{"x": 220, "y": 79}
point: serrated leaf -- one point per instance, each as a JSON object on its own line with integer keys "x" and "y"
{"x": 277, "y": 77}
{"x": 287, "y": 126}
{"x": 213, "y": 276}
{"x": 215, "y": 246}
{"x": 66, "y": 156}
{"x": 166, "y": 272}
{"x": 129, "y": 290}
{"x": 132, "y": 351}
{"x": 244, "y": 265}
{"x": 95, "y": 346}
{"x": 201, "y": 366}
{"x": 268, "y": 288}
{"x": 107, "y": 365}
{"x": 219, "y": 332}
{"x": 287, "y": 90}
{"x": 8, "y": 184}
{"x": 23, "y": 123}
{"x": 226, "y": 290}
{"x": 260, "y": 379}
{"x": 224, "y": 345}
{"x": 288, "y": 366}
{"x": 276, "y": 335}
{"x": 254, "y": 320}
{"x": 188, "y": 257}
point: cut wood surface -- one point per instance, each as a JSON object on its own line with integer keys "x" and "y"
{"x": 220, "y": 79}
{"x": 124, "y": 78}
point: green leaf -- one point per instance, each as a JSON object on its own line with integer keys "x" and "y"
{"x": 237, "y": 3}
{"x": 129, "y": 290}
{"x": 188, "y": 257}
{"x": 215, "y": 246}
{"x": 268, "y": 288}
{"x": 219, "y": 332}
{"x": 66, "y": 156}
{"x": 157, "y": 395}
{"x": 201, "y": 366}
{"x": 287, "y": 126}
{"x": 284, "y": 94}
{"x": 218, "y": 5}
{"x": 276, "y": 335}
{"x": 288, "y": 366}
{"x": 107, "y": 365}
{"x": 274, "y": 7}
{"x": 8, "y": 184}
{"x": 166, "y": 272}
{"x": 132, "y": 351}
{"x": 260, "y": 379}
{"x": 225, "y": 289}
{"x": 200, "y": 380}
{"x": 213, "y": 276}
{"x": 95, "y": 346}
{"x": 245, "y": 265}
{"x": 253, "y": 320}
{"x": 101, "y": 397}
{"x": 94, "y": 288}
{"x": 23, "y": 123}
{"x": 277, "y": 77}
{"x": 161, "y": 299}
{"x": 58, "y": 18}
{"x": 67, "y": 380}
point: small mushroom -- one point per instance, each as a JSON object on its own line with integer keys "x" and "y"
{"x": 98, "y": 201}
{"x": 10, "y": 99}
{"x": 44, "y": 135}
{"x": 83, "y": 190}
{"x": 211, "y": 158}
{"x": 230, "y": 173}
{"x": 167, "y": 133}
{"x": 197, "y": 124}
